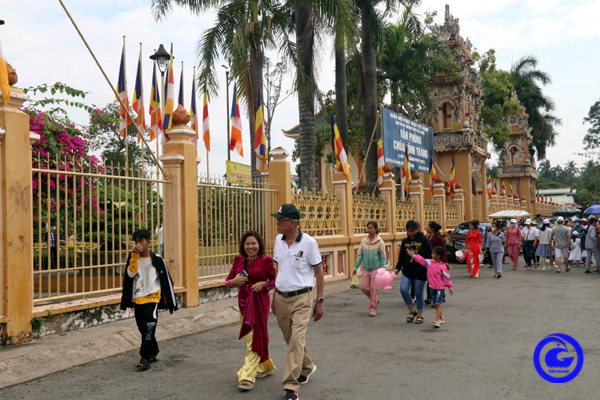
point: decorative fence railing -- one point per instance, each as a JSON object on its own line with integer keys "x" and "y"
{"x": 320, "y": 212}
{"x": 84, "y": 215}
{"x": 432, "y": 212}
{"x": 405, "y": 211}
{"x": 451, "y": 216}
{"x": 225, "y": 213}
{"x": 367, "y": 208}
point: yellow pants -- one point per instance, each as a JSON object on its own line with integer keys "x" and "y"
{"x": 252, "y": 363}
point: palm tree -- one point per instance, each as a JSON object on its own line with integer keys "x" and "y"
{"x": 242, "y": 32}
{"x": 372, "y": 35}
{"x": 408, "y": 60}
{"x": 526, "y": 79}
{"x": 309, "y": 17}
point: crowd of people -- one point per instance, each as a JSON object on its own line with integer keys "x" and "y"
{"x": 296, "y": 266}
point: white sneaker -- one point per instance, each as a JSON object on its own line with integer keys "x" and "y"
{"x": 543, "y": 268}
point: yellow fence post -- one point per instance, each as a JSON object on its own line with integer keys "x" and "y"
{"x": 181, "y": 209}
{"x": 16, "y": 220}
{"x": 388, "y": 193}
{"x": 459, "y": 201}
{"x": 415, "y": 190}
{"x": 494, "y": 202}
{"x": 280, "y": 175}
{"x": 439, "y": 197}
{"x": 342, "y": 185}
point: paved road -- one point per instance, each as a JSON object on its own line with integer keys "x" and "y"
{"x": 484, "y": 351}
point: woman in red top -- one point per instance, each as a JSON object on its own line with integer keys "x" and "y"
{"x": 254, "y": 274}
{"x": 473, "y": 245}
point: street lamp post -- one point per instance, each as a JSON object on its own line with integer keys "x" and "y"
{"x": 227, "y": 107}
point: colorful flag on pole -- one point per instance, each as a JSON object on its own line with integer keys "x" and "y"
{"x": 180, "y": 99}
{"x": 406, "y": 178}
{"x": 518, "y": 194}
{"x": 194, "y": 111}
{"x": 341, "y": 159}
{"x": 260, "y": 139}
{"x": 452, "y": 185}
{"x": 236, "y": 125}
{"x": 504, "y": 188}
{"x": 122, "y": 91}
{"x": 511, "y": 191}
{"x": 155, "y": 108}
{"x": 4, "y": 85}
{"x": 138, "y": 100}
{"x": 489, "y": 186}
{"x": 431, "y": 175}
{"x": 169, "y": 99}
{"x": 380, "y": 161}
{"x": 205, "y": 124}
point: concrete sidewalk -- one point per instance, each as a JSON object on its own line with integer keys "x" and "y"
{"x": 49, "y": 354}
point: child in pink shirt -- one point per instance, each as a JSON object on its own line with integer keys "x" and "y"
{"x": 439, "y": 279}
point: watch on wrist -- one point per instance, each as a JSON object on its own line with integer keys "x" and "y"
{"x": 320, "y": 299}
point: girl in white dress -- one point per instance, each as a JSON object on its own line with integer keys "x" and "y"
{"x": 575, "y": 254}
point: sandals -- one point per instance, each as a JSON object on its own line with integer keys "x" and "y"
{"x": 143, "y": 364}
{"x": 436, "y": 324}
{"x": 246, "y": 386}
{"x": 261, "y": 375}
{"x": 411, "y": 316}
{"x": 154, "y": 359}
{"x": 419, "y": 320}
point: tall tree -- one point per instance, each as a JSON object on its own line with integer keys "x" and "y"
{"x": 372, "y": 34}
{"x": 591, "y": 140}
{"x": 526, "y": 79}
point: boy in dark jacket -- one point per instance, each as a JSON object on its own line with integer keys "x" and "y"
{"x": 413, "y": 272}
{"x": 147, "y": 287}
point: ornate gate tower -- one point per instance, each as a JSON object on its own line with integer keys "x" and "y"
{"x": 457, "y": 132}
{"x": 517, "y": 166}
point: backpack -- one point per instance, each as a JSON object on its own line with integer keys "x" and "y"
{"x": 582, "y": 235}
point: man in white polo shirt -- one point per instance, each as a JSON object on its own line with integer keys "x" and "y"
{"x": 298, "y": 264}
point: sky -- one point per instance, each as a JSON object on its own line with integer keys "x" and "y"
{"x": 43, "y": 46}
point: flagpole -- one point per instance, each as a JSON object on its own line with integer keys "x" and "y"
{"x": 142, "y": 95}
{"x": 126, "y": 149}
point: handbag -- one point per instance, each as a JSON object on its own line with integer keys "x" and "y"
{"x": 355, "y": 282}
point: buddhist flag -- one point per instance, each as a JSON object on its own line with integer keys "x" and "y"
{"x": 180, "y": 99}
{"x": 155, "y": 108}
{"x": 193, "y": 111}
{"x": 504, "y": 188}
{"x": 380, "y": 161}
{"x": 205, "y": 124}
{"x": 452, "y": 178}
{"x": 489, "y": 186}
{"x": 122, "y": 91}
{"x": 169, "y": 99}
{"x": 518, "y": 195}
{"x": 260, "y": 139}
{"x": 406, "y": 178}
{"x": 511, "y": 191}
{"x": 431, "y": 175}
{"x": 236, "y": 125}
{"x": 4, "y": 86}
{"x": 341, "y": 159}
{"x": 138, "y": 100}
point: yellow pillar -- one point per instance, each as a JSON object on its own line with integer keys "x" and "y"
{"x": 181, "y": 211}
{"x": 459, "y": 201}
{"x": 494, "y": 202}
{"x": 342, "y": 185}
{"x": 280, "y": 175}
{"x": 439, "y": 197}
{"x": 388, "y": 193}
{"x": 16, "y": 220}
{"x": 415, "y": 191}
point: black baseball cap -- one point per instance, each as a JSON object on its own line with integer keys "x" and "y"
{"x": 287, "y": 211}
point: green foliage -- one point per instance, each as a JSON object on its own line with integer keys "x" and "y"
{"x": 591, "y": 140}
{"x": 55, "y": 103}
{"x": 497, "y": 101}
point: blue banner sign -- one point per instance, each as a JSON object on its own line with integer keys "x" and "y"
{"x": 398, "y": 132}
